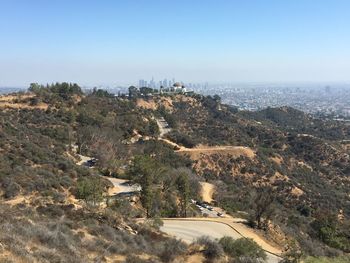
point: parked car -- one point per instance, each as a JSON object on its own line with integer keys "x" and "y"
{"x": 92, "y": 162}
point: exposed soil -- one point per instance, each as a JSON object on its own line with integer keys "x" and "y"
{"x": 235, "y": 151}
{"x": 207, "y": 191}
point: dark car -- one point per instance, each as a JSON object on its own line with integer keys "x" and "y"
{"x": 91, "y": 162}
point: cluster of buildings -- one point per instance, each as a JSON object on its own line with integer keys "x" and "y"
{"x": 319, "y": 100}
{"x": 177, "y": 87}
{"x": 165, "y": 83}
{"x": 168, "y": 88}
{"x": 156, "y": 84}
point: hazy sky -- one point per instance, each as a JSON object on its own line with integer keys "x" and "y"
{"x": 110, "y": 42}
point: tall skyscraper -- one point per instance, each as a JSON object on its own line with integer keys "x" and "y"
{"x": 141, "y": 83}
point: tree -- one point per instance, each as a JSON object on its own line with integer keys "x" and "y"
{"x": 146, "y": 90}
{"x": 263, "y": 206}
{"x": 147, "y": 172}
{"x": 153, "y": 128}
{"x": 133, "y": 92}
{"x": 146, "y": 193}
{"x": 34, "y": 87}
{"x": 325, "y": 225}
{"x": 183, "y": 187}
{"x": 91, "y": 189}
{"x": 217, "y": 98}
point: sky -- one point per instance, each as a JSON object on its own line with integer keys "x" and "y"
{"x": 118, "y": 42}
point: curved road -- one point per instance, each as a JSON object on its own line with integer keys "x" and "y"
{"x": 189, "y": 231}
{"x": 121, "y": 186}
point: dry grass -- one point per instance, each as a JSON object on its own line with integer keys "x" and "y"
{"x": 277, "y": 159}
{"x": 20, "y": 101}
{"x": 235, "y": 151}
{"x": 296, "y": 191}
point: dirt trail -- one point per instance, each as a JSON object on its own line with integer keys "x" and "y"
{"x": 196, "y": 152}
{"x": 173, "y": 144}
{"x": 207, "y": 191}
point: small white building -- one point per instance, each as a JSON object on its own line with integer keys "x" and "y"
{"x": 178, "y": 88}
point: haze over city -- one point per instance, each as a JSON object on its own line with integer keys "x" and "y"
{"x": 161, "y": 131}
{"x": 119, "y": 42}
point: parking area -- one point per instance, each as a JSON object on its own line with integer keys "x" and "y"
{"x": 207, "y": 210}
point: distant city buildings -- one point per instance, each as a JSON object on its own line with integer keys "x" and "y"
{"x": 318, "y": 100}
{"x": 330, "y": 101}
{"x": 156, "y": 84}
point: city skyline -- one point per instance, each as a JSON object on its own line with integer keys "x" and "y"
{"x": 116, "y": 43}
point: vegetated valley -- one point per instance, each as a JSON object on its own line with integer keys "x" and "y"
{"x": 285, "y": 174}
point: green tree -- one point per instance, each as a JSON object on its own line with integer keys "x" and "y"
{"x": 263, "y": 207}
{"x": 34, "y": 87}
{"x": 133, "y": 92}
{"x": 146, "y": 193}
{"x": 148, "y": 173}
{"x": 183, "y": 187}
{"x": 91, "y": 189}
{"x": 153, "y": 128}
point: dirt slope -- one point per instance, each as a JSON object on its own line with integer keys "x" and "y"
{"x": 236, "y": 151}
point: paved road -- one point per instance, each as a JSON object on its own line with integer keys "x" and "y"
{"x": 163, "y": 126}
{"x": 189, "y": 231}
{"x": 121, "y": 186}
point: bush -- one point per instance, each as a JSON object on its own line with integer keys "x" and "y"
{"x": 11, "y": 190}
{"x": 344, "y": 259}
{"x": 136, "y": 259}
{"x": 243, "y": 247}
{"x": 212, "y": 249}
{"x": 34, "y": 101}
{"x": 172, "y": 248}
{"x": 91, "y": 189}
{"x": 182, "y": 139}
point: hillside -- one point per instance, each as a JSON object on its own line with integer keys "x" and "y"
{"x": 301, "y": 159}
{"x": 282, "y": 172}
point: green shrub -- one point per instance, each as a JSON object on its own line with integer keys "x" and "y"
{"x": 212, "y": 250}
{"x": 342, "y": 259}
{"x": 243, "y": 247}
{"x": 171, "y": 249}
{"x": 91, "y": 189}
